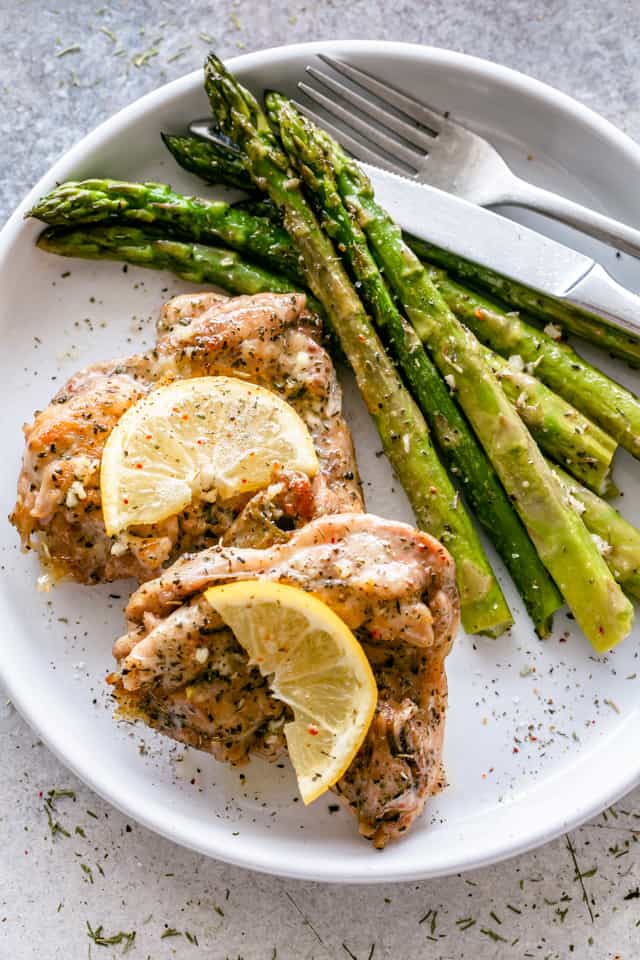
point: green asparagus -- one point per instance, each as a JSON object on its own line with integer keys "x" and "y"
{"x": 187, "y": 218}
{"x": 404, "y": 433}
{"x": 192, "y": 219}
{"x": 587, "y": 326}
{"x": 583, "y": 448}
{"x": 619, "y": 540}
{"x": 192, "y": 154}
{"x": 456, "y": 442}
{"x": 190, "y": 261}
{"x": 604, "y": 401}
{"x": 259, "y": 206}
{"x": 562, "y": 541}
{"x": 213, "y": 163}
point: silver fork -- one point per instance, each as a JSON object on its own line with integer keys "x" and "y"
{"x": 398, "y": 133}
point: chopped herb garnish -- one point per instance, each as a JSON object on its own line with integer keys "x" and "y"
{"x": 61, "y": 794}
{"x": 580, "y": 876}
{"x": 54, "y": 826}
{"x": 74, "y": 48}
{"x": 179, "y": 53}
{"x": 142, "y": 59}
{"x": 101, "y": 940}
{"x": 109, "y": 33}
{"x": 488, "y": 932}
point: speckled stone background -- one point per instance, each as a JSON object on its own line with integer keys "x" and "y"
{"x": 65, "y": 67}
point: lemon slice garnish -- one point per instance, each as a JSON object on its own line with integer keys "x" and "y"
{"x": 203, "y": 438}
{"x": 316, "y": 666}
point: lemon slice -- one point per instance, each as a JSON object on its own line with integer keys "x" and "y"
{"x": 202, "y": 438}
{"x": 316, "y": 666}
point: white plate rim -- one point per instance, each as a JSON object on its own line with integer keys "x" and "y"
{"x": 107, "y": 786}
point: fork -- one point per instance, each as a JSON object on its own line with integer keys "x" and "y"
{"x": 398, "y": 133}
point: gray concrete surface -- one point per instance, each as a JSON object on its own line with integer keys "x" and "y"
{"x": 64, "y": 67}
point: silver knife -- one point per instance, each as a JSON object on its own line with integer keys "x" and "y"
{"x": 522, "y": 255}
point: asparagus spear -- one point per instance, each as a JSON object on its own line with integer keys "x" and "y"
{"x": 619, "y": 540}
{"x": 600, "y": 398}
{"x": 214, "y": 163}
{"x": 259, "y": 206}
{"x": 560, "y": 430}
{"x": 192, "y": 154}
{"x": 404, "y": 433}
{"x": 588, "y": 326}
{"x": 562, "y": 541}
{"x": 194, "y": 219}
{"x": 456, "y": 442}
{"x": 191, "y": 261}
{"x": 604, "y": 401}
{"x": 155, "y": 204}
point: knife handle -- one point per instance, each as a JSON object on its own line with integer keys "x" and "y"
{"x": 597, "y": 292}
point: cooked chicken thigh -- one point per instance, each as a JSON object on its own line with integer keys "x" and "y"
{"x": 267, "y": 339}
{"x": 183, "y": 672}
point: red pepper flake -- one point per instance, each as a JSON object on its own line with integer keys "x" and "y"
{"x": 515, "y": 750}
{"x": 185, "y": 416}
{"x": 124, "y": 500}
{"x": 148, "y": 436}
{"x": 138, "y": 466}
{"x": 312, "y": 730}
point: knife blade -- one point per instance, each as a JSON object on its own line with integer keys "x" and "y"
{"x": 503, "y": 247}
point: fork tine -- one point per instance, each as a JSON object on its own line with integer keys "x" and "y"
{"x": 404, "y": 128}
{"x": 374, "y": 135}
{"x": 355, "y": 147}
{"x": 412, "y": 108}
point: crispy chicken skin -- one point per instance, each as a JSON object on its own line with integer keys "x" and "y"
{"x": 267, "y": 339}
{"x": 183, "y": 672}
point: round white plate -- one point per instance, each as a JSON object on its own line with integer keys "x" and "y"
{"x": 539, "y": 735}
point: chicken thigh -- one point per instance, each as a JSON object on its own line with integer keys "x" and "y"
{"x": 268, "y": 339}
{"x": 183, "y": 672}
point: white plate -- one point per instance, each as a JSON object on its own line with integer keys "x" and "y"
{"x": 575, "y": 717}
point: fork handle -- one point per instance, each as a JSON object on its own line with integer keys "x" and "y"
{"x": 613, "y": 232}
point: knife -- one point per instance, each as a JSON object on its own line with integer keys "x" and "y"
{"x": 527, "y": 258}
